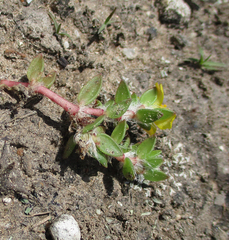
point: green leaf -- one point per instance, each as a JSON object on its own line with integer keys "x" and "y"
{"x": 36, "y": 68}
{"x": 135, "y": 147}
{"x": 207, "y": 58}
{"x": 134, "y": 98}
{"x": 153, "y": 163}
{"x": 155, "y": 175}
{"x": 98, "y": 104}
{"x": 166, "y": 120}
{"x": 128, "y": 169}
{"x": 119, "y": 132}
{"x": 107, "y": 145}
{"x": 146, "y": 147}
{"x": 101, "y": 158}
{"x": 48, "y": 80}
{"x": 107, "y": 21}
{"x": 145, "y": 126}
{"x": 109, "y": 103}
{"x": 90, "y": 91}
{"x": 98, "y": 130}
{"x": 149, "y": 97}
{"x": 56, "y": 25}
{"x": 24, "y": 201}
{"x": 28, "y": 210}
{"x": 194, "y": 60}
{"x": 122, "y": 93}
{"x": 126, "y": 144}
{"x": 58, "y": 29}
{"x": 118, "y": 109}
{"x": 201, "y": 56}
{"x": 65, "y": 34}
{"x": 148, "y": 115}
{"x": 213, "y": 65}
{"x": 153, "y": 154}
{"x": 95, "y": 124}
{"x": 69, "y": 147}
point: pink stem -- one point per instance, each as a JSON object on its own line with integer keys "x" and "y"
{"x": 69, "y": 107}
{"x": 66, "y": 105}
{"x": 93, "y": 111}
{"x": 12, "y": 83}
{"x": 122, "y": 159}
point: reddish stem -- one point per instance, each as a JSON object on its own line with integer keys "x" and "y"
{"x": 66, "y": 105}
{"x": 12, "y": 83}
{"x": 69, "y": 107}
{"x": 122, "y": 159}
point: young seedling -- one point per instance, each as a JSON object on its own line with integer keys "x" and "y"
{"x": 58, "y": 27}
{"x": 204, "y": 63}
{"x": 107, "y": 21}
{"x": 91, "y": 122}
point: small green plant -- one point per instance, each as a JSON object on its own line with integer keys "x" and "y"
{"x": 204, "y": 63}
{"x": 58, "y": 27}
{"x": 91, "y": 122}
{"x": 107, "y": 21}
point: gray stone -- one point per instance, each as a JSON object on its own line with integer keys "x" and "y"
{"x": 152, "y": 32}
{"x": 130, "y": 53}
{"x": 174, "y": 12}
{"x": 178, "y": 41}
{"x": 220, "y": 199}
{"x": 65, "y": 227}
{"x": 37, "y": 25}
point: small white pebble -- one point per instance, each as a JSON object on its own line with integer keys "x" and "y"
{"x": 148, "y": 193}
{"x": 66, "y": 44}
{"x": 76, "y": 34}
{"x": 20, "y": 44}
{"x": 109, "y": 219}
{"x": 119, "y": 203}
{"x": 6, "y": 200}
{"x": 131, "y": 212}
{"x": 221, "y": 148}
{"x": 98, "y": 211}
{"x": 171, "y": 192}
{"x": 178, "y": 217}
{"x": 177, "y": 100}
{"x": 65, "y": 227}
{"x": 146, "y": 214}
{"x": 130, "y": 53}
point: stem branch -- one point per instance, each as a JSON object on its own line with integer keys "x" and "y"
{"x": 69, "y": 107}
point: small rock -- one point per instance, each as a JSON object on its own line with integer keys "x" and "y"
{"x": 178, "y": 41}
{"x": 66, "y": 44}
{"x": 26, "y": 2}
{"x": 220, "y": 199}
{"x": 218, "y": 80}
{"x": 36, "y": 24}
{"x": 6, "y": 200}
{"x": 130, "y": 53}
{"x": 152, "y": 32}
{"x": 65, "y": 228}
{"x": 109, "y": 219}
{"x": 27, "y": 166}
{"x": 62, "y": 7}
{"x": 63, "y": 62}
{"x": 174, "y": 12}
{"x": 76, "y": 34}
{"x": 98, "y": 211}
